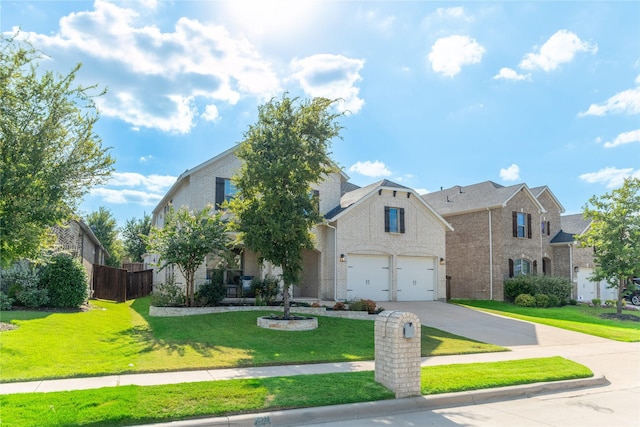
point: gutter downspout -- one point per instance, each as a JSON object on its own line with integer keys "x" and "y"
{"x": 490, "y": 257}
{"x": 335, "y": 262}
{"x": 571, "y": 263}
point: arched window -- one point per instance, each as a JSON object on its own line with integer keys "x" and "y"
{"x": 521, "y": 267}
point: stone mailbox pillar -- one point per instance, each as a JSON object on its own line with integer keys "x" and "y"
{"x": 397, "y": 352}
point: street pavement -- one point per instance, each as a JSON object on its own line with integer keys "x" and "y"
{"x": 612, "y": 397}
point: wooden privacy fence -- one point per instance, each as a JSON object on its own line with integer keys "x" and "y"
{"x": 119, "y": 285}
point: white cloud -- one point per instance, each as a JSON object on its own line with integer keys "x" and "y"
{"x": 510, "y": 74}
{"x": 155, "y": 77}
{"x": 421, "y": 191}
{"x": 211, "y": 113}
{"x": 627, "y": 101}
{"x": 382, "y": 23}
{"x": 373, "y": 169}
{"x": 145, "y": 159}
{"x": 154, "y": 183}
{"x": 449, "y": 54}
{"x": 512, "y": 173}
{"x": 611, "y": 177}
{"x": 126, "y": 196}
{"x": 624, "y": 138}
{"x": 330, "y": 76}
{"x": 561, "y": 48}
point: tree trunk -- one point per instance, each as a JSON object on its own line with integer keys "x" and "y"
{"x": 285, "y": 301}
{"x": 620, "y": 296}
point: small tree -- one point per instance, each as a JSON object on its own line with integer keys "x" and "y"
{"x": 186, "y": 239}
{"x": 284, "y": 153}
{"x": 104, "y": 226}
{"x": 615, "y": 236}
{"x": 134, "y": 236}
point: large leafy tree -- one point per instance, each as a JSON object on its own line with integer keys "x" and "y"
{"x": 283, "y": 153}
{"x": 615, "y": 235}
{"x": 134, "y": 234}
{"x": 186, "y": 239}
{"x": 105, "y": 227}
{"x": 50, "y": 155}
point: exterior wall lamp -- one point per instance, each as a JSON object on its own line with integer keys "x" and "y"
{"x": 441, "y": 261}
{"x": 343, "y": 258}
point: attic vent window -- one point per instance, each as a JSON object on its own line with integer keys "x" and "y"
{"x": 393, "y": 220}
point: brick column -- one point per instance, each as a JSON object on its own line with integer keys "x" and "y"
{"x": 397, "y": 352}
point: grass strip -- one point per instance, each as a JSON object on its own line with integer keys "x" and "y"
{"x": 123, "y": 338}
{"x": 128, "y": 405}
{"x": 578, "y": 318}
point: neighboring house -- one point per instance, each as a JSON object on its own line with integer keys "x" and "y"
{"x": 580, "y": 260}
{"x": 500, "y": 232}
{"x": 76, "y": 238}
{"x": 381, "y": 242}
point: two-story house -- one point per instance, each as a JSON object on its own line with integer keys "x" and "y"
{"x": 381, "y": 242}
{"x": 500, "y": 232}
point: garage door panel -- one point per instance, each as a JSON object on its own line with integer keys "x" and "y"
{"x": 416, "y": 279}
{"x": 368, "y": 277}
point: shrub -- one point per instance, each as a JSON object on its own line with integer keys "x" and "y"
{"x": 168, "y": 294}
{"x": 596, "y": 302}
{"x": 211, "y": 293}
{"x": 573, "y": 302}
{"x": 32, "y": 296}
{"x": 518, "y": 285}
{"x": 66, "y": 281}
{"x": 610, "y": 303}
{"x": 266, "y": 290}
{"x": 558, "y": 286}
{"x": 363, "y": 305}
{"x": 542, "y": 300}
{"x": 5, "y": 302}
{"x": 525, "y": 300}
{"x": 339, "y": 306}
{"x": 21, "y": 282}
{"x": 554, "y": 301}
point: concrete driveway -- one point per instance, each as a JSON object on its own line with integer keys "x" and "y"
{"x": 487, "y": 327}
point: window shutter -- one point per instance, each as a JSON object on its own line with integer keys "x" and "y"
{"x": 386, "y": 219}
{"x": 548, "y": 228}
{"x": 535, "y": 267}
{"x": 402, "y": 220}
{"x": 529, "y": 226}
{"x": 514, "y": 217}
{"x": 219, "y": 192}
{"x": 510, "y": 267}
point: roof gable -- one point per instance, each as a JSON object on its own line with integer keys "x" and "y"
{"x": 354, "y": 198}
{"x": 481, "y": 196}
{"x": 539, "y": 191}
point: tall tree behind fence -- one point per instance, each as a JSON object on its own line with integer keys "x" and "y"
{"x": 119, "y": 285}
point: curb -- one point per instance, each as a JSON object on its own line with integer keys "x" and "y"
{"x": 352, "y": 411}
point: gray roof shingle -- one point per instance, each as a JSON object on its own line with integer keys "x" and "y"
{"x": 458, "y": 199}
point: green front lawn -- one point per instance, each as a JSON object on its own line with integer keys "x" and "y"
{"x": 122, "y": 338}
{"x": 135, "y": 405}
{"x": 579, "y": 318}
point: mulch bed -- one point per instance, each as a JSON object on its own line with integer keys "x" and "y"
{"x": 614, "y": 316}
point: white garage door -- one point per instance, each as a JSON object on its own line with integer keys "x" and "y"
{"x": 416, "y": 279}
{"x": 368, "y": 277}
{"x": 587, "y": 290}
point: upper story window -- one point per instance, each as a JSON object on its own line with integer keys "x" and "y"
{"x": 225, "y": 191}
{"x": 545, "y": 227}
{"x": 393, "y": 220}
{"x": 521, "y": 225}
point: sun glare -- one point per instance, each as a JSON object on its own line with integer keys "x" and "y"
{"x": 271, "y": 18}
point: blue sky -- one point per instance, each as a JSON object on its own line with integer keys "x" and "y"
{"x": 438, "y": 93}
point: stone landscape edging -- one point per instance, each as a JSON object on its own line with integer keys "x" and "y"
{"x": 316, "y": 311}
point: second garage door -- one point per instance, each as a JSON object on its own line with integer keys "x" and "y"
{"x": 368, "y": 277}
{"x": 416, "y": 278}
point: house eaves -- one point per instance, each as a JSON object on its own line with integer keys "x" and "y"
{"x": 475, "y": 198}
{"x": 84, "y": 227}
{"x": 354, "y": 198}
